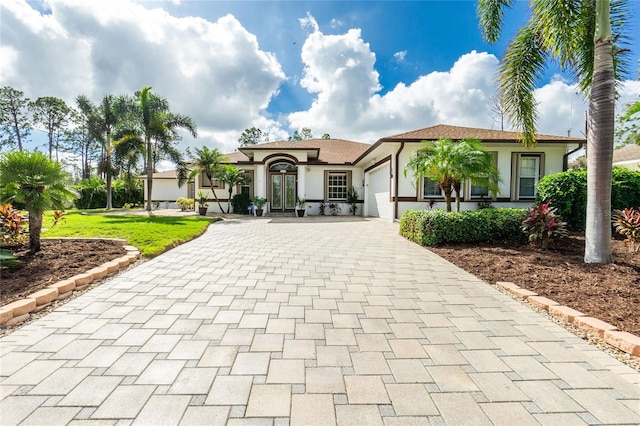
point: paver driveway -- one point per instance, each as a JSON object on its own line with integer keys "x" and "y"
{"x": 306, "y": 321}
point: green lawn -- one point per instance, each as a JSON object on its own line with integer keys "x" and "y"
{"x": 152, "y": 235}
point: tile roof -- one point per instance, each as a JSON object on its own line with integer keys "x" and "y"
{"x": 627, "y": 153}
{"x": 458, "y": 132}
{"x": 331, "y": 151}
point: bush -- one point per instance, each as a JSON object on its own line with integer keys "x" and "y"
{"x": 432, "y": 227}
{"x": 627, "y": 223}
{"x": 13, "y": 229}
{"x": 185, "y": 203}
{"x": 542, "y": 225}
{"x": 92, "y": 193}
{"x": 568, "y": 190}
{"x": 240, "y": 203}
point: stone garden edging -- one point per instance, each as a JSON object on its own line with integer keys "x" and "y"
{"x": 626, "y": 342}
{"x": 20, "y": 310}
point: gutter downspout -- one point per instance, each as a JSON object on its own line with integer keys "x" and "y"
{"x": 565, "y": 157}
{"x": 395, "y": 182}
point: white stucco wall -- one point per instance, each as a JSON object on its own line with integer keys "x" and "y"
{"x": 553, "y": 162}
{"x": 314, "y": 187}
{"x": 165, "y": 190}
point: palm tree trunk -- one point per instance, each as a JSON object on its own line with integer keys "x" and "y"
{"x": 600, "y": 155}
{"x": 35, "y": 228}
{"x": 447, "y": 197}
{"x": 215, "y": 197}
{"x": 229, "y": 200}
{"x": 149, "y": 173}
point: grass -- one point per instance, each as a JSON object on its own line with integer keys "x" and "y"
{"x": 152, "y": 235}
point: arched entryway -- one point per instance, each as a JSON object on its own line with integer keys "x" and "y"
{"x": 282, "y": 185}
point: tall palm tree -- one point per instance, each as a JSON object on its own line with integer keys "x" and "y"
{"x": 231, "y": 176}
{"x": 152, "y": 135}
{"x": 209, "y": 162}
{"x": 471, "y": 162}
{"x": 103, "y": 121}
{"x": 578, "y": 35}
{"x": 434, "y": 161}
{"x": 32, "y": 179}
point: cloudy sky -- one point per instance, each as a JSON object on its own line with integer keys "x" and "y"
{"x": 356, "y": 70}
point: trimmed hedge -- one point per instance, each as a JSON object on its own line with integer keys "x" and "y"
{"x": 432, "y": 227}
{"x": 568, "y": 193}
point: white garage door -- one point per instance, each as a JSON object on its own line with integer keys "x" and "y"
{"x": 378, "y": 193}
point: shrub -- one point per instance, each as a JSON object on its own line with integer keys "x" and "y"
{"x": 568, "y": 190}
{"x": 92, "y": 193}
{"x": 627, "y": 223}
{"x": 432, "y": 227}
{"x": 542, "y": 226}
{"x": 185, "y": 203}
{"x": 13, "y": 229}
{"x": 240, "y": 203}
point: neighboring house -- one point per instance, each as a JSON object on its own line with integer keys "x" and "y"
{"x": 322, "y": 171}
{"x": 628, "y": 157}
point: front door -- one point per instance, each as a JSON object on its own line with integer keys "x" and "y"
{"x": 283, "y": 191}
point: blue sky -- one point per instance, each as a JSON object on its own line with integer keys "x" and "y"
{"x": 357, "y": 70}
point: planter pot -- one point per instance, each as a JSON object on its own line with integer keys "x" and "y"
{"x": 300, "y": 213}
{"x": 259, "y": 212}
{"x": 202, "y": 211}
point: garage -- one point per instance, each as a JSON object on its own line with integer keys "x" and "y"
{"x": 378, "y": 204}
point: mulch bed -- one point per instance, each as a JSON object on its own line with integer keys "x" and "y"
{"x": 58, "y": 260}
{"x": 607, "y": 292}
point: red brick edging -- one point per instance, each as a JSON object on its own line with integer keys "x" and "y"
{"x": 627, "y": 342}
{"x": 20, "y": 310}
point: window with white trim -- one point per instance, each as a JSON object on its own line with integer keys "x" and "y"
{"x": 481, "y": 191}
{"x": 528, "y": 171}
{"x": 337, "y": 186}
{"x": 431, "y": 189}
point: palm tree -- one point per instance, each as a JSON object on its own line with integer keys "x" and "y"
{"x": 231, "y": 176}
{"x": 452, "y": 163}
{"x": 433, "y": 161}
{"x": 152, "y": 135}
{"x": 103, "y": 121}
{"x": 32, "y": 179}
{"x": 578, "y": 35}
{"x": 209, "y": 162}
{"x": 475, "y": 164}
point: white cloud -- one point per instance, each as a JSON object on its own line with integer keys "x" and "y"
{"x": 213, "y": 71}
{"x": 336, "y": 23}
{"x": 340, "y": 69}
{"x": 309, "y": 22}
{"x": 400, "y": 56}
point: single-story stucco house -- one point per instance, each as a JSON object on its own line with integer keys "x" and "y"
{"x": 628, "y": 157}
{"x": 323, "y": 170}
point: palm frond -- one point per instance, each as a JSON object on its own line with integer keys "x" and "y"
{"x": 521, "y": 69}
{"x": 491, "y": 14}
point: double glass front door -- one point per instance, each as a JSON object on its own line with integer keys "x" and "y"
{"x": 283, "y": 192}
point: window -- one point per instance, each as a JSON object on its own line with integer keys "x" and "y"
{"x": 431, "y": 189}
{"x": 247, "y": 187}
{"x": 336, "y": 185}
{"x": 528, "y": 170}
{"x": 206, "y": 183}
{"x": 480, "y": 191}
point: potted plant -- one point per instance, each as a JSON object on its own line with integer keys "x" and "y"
{"x": 202, "y": 203}
{"x": 300, "y": 206}
{"x": 259, "y": 203}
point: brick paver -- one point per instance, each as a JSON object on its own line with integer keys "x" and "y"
{"x": 305, "y": 321}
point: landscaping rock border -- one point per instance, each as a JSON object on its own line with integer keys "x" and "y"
{"x": 621, "y": 340}
{"x": 21, "y": 310}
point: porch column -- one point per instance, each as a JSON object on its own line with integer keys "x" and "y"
{"x": 261, "y": 181}
{"x": 302, "y": 188}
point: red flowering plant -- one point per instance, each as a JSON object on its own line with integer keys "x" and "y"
{"x": 542, "y": 226}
